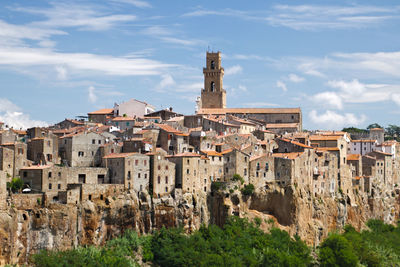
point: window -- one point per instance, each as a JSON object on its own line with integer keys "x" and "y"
{"x": 212, "y": 64}
{"x": 136, "y": 162}
{"x": 59, "y": 186}
{"x": 166, "y": 179}
{"x": 99, "y": 142}
{"x": 49, "y": 186}
{"x": 129, "y": 174}
{"x": 266, "y": 166}
{"x": 48, "y": 143}
{"x": 145, "y": 176}
{"x": 159, "y": 179}
{"x": 20, "y": 151}
{"x": 166, "y": 167}
{"x": 194, "y": 172}
{"x": 244, "y": 172}
{"x": 145, "y": 162}
{"x": 49, "y": 174}
{"x": 212, "y": 88}
{"x": 187, "y": 161}
{"x": 59, "y": 174}
{"x": 159, "y": 167}
{"x": 187, "y": 171}
{"x": 93, "y": 141}
{"x": 80, "y": 154}
{"x": 166, "y": 189}
{"x": 138, "y": 175}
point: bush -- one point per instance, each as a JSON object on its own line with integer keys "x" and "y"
{"x": 337, "y": 251}
{"x": 248, "y": 190}
{"x": 15, "y": 185}
{"x": 216, "y": 186}
{"x": 236, "y": 177}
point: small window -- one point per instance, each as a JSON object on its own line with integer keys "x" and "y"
{"x": 145, "y": 176}
{"x": 138, "y": 175}
{"x": 166, "y": 189}
{"x": 144, "y": 162}
{"x": 166, "y": 179}
{"x": 136, "y": 162}
{"x": 212, "y": 88}
{"x": 99, "y": 142}
{"x": 187, "y": 171}
{"x": 49, "y": 174}
{"x": 80, "y": 154}
{"x": 93, "y": 141}
{"x": 59, "y": 174}
{"x": 90, "y": 197}
{"x": 50, "y": 186}
{"x": 188, "y": 161}
{"x": 159, "y": 179}
{"x": 159, "y": 167}
{"x": 212, "y": 64}
{"x": 25, "y": 174}
{"x": 166, "y": 167}
{"x": 59, "y": 186}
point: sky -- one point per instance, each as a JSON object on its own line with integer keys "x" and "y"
{"x": 339, "y": 61}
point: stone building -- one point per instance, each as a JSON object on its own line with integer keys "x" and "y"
{"x": 325, "y": 173}
{"x": 101, "y": 116}
{"x": 236, "y": 162}
{"x": 69, "y": 123}
{"x": 43, "y": 150}
{"x": 130, "y": 169}
{"x": 83, "y": 149}
{"x": 7, "y": 136}
{"x": 355, "y": 163}
{"x": 362, "y": 147}
{"x": 187, "y": 166}
{"x": 13, "y": 157}
{"x": 123, "y": 123}
{"x": 162, "y": 174}
{"x": 261, "y": 170}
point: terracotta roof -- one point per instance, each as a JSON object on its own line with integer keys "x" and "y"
{"x": 353, "y": 156}
{"x": 376, "y": 129}
{"x": 295, "y": 143}
{"x": 123, "y": 119}
{"x": 291, "y": 155}
{"x": 104, "y": 111}
{"x": 257, "y": 157}
{"x": 174, "y": 119}
{"x": 222, "y": 111}
{"x": 119, "y": 155}
{"x": 325, "y": 137}
{"x": 226, "y": 151}
{"x": 19, "y": 132}
{"x": 281, "y": 125}
{"x": 327, "y": 148}
{"x": 211, "y": 153}
{"x": 168, "y": 128}
{"x": 7, "y": 144}
{"x": 382, "y": 153}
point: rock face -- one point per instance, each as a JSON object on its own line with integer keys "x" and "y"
{"x": 24, "y": 231}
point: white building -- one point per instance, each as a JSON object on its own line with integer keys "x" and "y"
{"x": 362, "y": 147}
{"x": 133, "y": 108}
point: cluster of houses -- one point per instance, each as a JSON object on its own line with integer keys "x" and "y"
{"x": 133, "y": 148}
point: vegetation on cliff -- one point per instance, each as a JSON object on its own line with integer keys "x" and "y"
{"x": 238, "y": 243}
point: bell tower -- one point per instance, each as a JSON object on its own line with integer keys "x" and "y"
{"x": 213, "y": 95}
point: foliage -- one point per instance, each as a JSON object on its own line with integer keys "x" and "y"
{"x": 236, "y": 177}
{"x": 238, "y": 243}
{"x": 15, "y": 185}
{"x": 248, "y": 190}
{"x": 354, "y": 130}
{"x": 216, "y": 186}
{"x": 337, "y": 251}
{"x": 374, "y": 125}
{"x": 117, "y": 252}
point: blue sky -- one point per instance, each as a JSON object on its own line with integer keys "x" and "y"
{"x": 337, "y": 60}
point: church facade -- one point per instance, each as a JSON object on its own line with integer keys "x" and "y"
{"x": 213, "y": 102}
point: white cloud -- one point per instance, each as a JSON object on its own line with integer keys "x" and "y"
{"x": 136, "y": 3}
{"x": 242, "y": 88}
{"x": 333, "y": 120}
{"x": 189, "y": 87}
{"x": 166, "y": 81}
{"x": 25, "y": 57}
{"x": 317, "y": 17}
{"x": 233, "y": 70}
{"x": 295, "y": 78}
{"x": 61, "y": 72}
{"x": 14, "y": 117}
{"x": 330, "y": 99}
{"x": 83, "y": 17}
{"x": 92, "y": 97}
{"x": 281, "y": 85}
{"x": 167, "y": 35}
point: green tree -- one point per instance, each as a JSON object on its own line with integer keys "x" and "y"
{"x": 337, "y": 251}
{"x": 248, "y": 190}
{"x": 15, "y": 185}
{"x": 374, "y": 125}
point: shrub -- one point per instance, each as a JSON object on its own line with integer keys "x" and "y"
{"x": 216, "y": 186}
{"x": 16, "y": 184}
{"x": 236, "y": 177}
{"x": 248, "y": 190}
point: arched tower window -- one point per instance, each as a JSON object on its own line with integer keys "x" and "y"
{"x": 212, "y": 86}
{"x": 212, "y": 64}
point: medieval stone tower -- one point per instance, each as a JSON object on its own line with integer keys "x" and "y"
{"x": 213, "y": 95}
